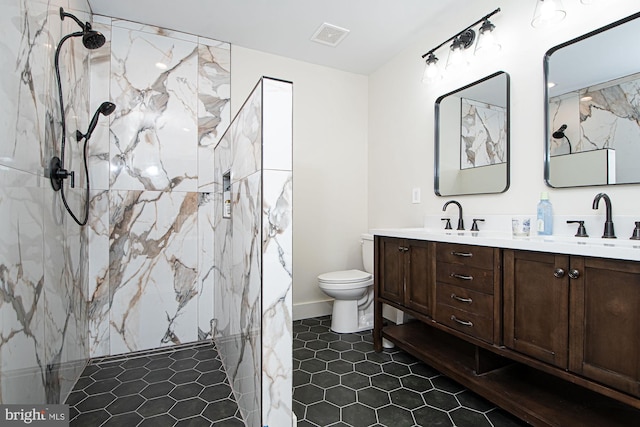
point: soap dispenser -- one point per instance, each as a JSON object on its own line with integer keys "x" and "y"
{"x": 544, "y": 222}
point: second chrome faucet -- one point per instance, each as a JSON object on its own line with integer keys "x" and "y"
{"x": 460, "y": 220}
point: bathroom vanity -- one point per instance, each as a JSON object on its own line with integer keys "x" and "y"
{"x": 547, "y": 328}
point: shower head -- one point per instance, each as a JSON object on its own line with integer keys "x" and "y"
{"x": 106, "y": 108}
{"x": 560, "y": 132}
{"x": 91, "y": 39}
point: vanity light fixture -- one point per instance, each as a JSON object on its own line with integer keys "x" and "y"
{"x": 460, "y": 42}
{"x": 547, "y": 12}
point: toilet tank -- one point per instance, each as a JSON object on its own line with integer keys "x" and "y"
{"x": 367, "y": 252}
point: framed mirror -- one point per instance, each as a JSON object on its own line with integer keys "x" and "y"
{"x": 592, "y": 88}
{"x": 472, "y": 138}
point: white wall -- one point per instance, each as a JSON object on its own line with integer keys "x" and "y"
{"x": 401, "y": 117}
{"x": 329, "y": 165}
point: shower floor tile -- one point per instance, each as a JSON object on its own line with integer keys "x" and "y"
{"x": 339, "y": 380}
{"x": 178, "y": 386}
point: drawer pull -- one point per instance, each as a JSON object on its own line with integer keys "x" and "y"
{"x": 465, "y": 300}
{"x": 461, "y": 276}
{"x": 463, "y": 254}
{"x": 461, "y": 322}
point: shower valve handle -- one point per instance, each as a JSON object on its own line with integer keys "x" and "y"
{"x": 72, "y": 174}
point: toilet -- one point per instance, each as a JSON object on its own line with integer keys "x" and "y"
{"x": 352, "y": 291}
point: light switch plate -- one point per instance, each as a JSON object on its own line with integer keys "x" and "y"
{"x": 415, "y": 195}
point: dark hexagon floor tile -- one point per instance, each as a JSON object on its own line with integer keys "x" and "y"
{"x": 187, "y": 408}
{"x": 93, "y": 418}
{"x": 128, "y": 419}
{"x": 355, "y": 380}
{"x": 158, "y": 363}
{"x": 379, "y": 357}
{"x": 427, "y": 416}
{"x": 308, "y": 394}
{"x": 303, "y": 354}
{"x": 352, "y": 356}
{"x": 183, "y": 377}
{"x": 220, "y": 410}
{"x": 363, "y": 346}
{"x": 405, "y": 358}
{"x": 75, "y": 397}
{"x": 96, "y": 401}
{"x": 307, "y": 336}
{"x": 107, "y": 373}
{"x": 102, "y": 386}
{"x": 183, "y": 353}
{"x": 156, "y": 406}
{"x": 373, "y": 397}
{"x": 358, "y": 415}
{"x": 396, "y": 416}
{"x": 368, "y": 368}
{"x": 316, "y": 345}
{"x": 164, "y": 420}
{"x": 135, "y": 362}
{"x": 340, "y": 345}
{"x": 396, "y": 369}
{"x": 340, "y": 395}
{"x": 385, "y": 382}
{"x": 157, "y": 389}
{"x": 325, "y": 379}
{"x": 215, "y": 392}
{"x": 416, "y": 383}
{"x": 463, "y": 417}
{"x": 83, "y": 382}
{"x": 185, "y": 391}
{"x": 198, "y": 421}
{"x": 313, "y": 365}
{"x": 327, "y": 355}
{"x": 406, "y": 398}
{"x": 125, "y": 404}
{"x": 352, "y": 338}
{"x": 209, "y": 365}
{"x": 213, "y": 377}
{"x": 323, "y": 413}
{"x": 128, "y": 388}
{"x": 206, "y": 354}
{"x": 183, "y": 364}
{"x": 441, "y": 400}
{"x": 447, "y": 384}
{"x": 158, "y": 375}
{"x": 424, "y": 370}
{"x": 340, "y": 366}
{"x": 329, "y": 337}
{"x": 301, "y": 377}
{"x": 471, "y": 400}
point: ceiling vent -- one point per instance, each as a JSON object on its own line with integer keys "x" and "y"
{"x": 328, "y": 34}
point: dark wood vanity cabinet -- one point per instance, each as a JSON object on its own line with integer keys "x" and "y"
{"x": 536, "y": 305}
{"x": 404, "y": 271}
{"x": 577, "y": 313}
{"x": 604, "y": 334}
{"x": 467, "y": 289}
{"x": 553, "y": 339}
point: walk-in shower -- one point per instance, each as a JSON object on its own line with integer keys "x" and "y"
{"x": 91, "y": 39}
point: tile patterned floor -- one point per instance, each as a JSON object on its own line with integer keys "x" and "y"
{"x": 180, "y": 386}
{"x": 340, "y": 381}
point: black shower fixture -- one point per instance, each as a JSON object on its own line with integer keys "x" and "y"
{"x": 559, "y": 134}
{"x": 105, "y": 109}
{"x": 91, "y": 39}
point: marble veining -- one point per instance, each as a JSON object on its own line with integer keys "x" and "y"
{"x": 483, "y": 134}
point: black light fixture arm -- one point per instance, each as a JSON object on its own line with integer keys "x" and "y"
{"x": 484, "y": 18}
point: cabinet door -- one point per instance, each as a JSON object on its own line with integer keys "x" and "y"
{"x": 605, "y": 322}
{"x": 418, "y": 288}
{"x": 391, "y": 269}
{"x": 536, "y": 312}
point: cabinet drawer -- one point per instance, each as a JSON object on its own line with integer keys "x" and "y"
{"x": 479, "y": 279}
{"x": 471, "y": 324}
{"x": 476, "y": 256}
{"x": 473, "y": 302}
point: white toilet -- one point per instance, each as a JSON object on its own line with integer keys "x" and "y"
{"x": 352, "y": 291}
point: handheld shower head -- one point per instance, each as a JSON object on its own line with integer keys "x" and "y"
{"x": 106, "y": 108}
{"x": 560, "y": 132}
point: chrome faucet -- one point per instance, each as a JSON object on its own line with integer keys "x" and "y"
{"x": 608, "y": 223}
{"x": 460, "y": 220}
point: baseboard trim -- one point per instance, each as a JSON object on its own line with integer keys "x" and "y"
{"x": 312, "y": 309}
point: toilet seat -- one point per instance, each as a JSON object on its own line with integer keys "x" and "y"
{"x": 345, "y": 279}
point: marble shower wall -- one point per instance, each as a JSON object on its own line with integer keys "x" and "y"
{"x": 151, "y": 277}
{"x": 602, "y": 116}
{"x": 253, "y": 255}
{"x": 43, "y": 253}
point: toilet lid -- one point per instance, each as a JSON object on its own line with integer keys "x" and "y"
{"x": 347, "y": 276}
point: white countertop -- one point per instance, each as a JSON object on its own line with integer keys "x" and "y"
{"x": 620, "y": 248}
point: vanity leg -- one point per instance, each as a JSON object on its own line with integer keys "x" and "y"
{"x": 377, "y": 326}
